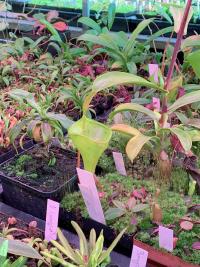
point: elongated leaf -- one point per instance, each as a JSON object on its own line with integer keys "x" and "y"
{"x": 141, "y": 26}
{"x": 158, "y": 34}
{"x": 138, "y": 108}
{"x": 93, "y": 259}
{"x": 113, "y": 213}
{"x": 194, "y": 59}
{"x": 19, "y": 262}
{"x": 194, "y": 135}
{"x": 111, "y": 14}
{"x": 106, "y": 254}
{"x": 90, "y": 23}
{"x": 92, "y": 240}
{"x": 61, "y": 118}
{"x": 115, "y": 78}
{"x": 69, "y": 252}
{"x": 191, "y": 41}
{"x": 21, "y": 249}
{"x": 119, "y": 204}
{"x": 194, "y": 122}
{"x": 82, "y": 239}
{"x": 183, "y": 137}
{"x": 96, "y": 40}
{"x": 135, "y": 145}
{"x": 124, "y": 128}
{"x": 140, "y": 207}
{"x": 58, "y": 260}
{"x": 185, "y": 100}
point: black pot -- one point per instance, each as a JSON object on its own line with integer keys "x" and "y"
{"x": 12, "y": 152}
{"x": 30, "y": 200}
{"x": 125, "y": 244}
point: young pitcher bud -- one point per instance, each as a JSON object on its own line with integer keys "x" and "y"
{"x": 157, "y": 213}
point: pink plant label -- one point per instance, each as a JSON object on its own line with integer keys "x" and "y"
{"x": 166, "y": 238}
{"x": 156, "y": 103}
{"x": 119, "y": 163}
{"x": 51, "y": 220}
{"x": 90, "y": 195}
{"x": 153, "y": 71}
{"x": 139, "y": 257}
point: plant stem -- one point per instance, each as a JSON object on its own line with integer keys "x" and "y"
{"x": 178, "y": 44}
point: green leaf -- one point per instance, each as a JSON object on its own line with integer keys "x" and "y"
{"x": 61, "y": 118}
{"x": 46, "y": 132}
{"x": 140, "y": 207}
{"x": 96, "y": 252}
{"x": 4, "y": 249}
{"x": 135, "y": 144}
{"x": 194, "y": 59}
{"x": 21, "y": 249}
{"x": 16, "y": 130}
{"x": 111, "y": 14}
{"x": 183, "y": 137}
{"x": 140, "y": 27}
{"x": 106, "y": 254}
{"x": 191, "y": 41}
{"x": 90, "y": 23}
{"x": 158, "y": 34}
{"x": 82, "y": 239}
{"x": 20, "y": 262}
{"x": 135, "y": 107}
{"x": 66, "y": 248}
{"x": 113, "y": 213}
{"x": 115, "y": 78}
{"x": 100, "y": 40}
{"x": 185, "y": 100}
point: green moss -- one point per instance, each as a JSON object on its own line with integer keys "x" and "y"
{"x": 106, "y": 163}
{"x": 173, "y": 206}
{"x": 184, "y": 246}
{"x": 180, "y": 181}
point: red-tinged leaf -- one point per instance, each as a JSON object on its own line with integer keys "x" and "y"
{"x": 60, "y": 26}
{"x": 175, "y": 239}
{"x": 143, "y": 192}
{"x": 196, "y": 245}
{"x": 102, "y": 194}
{"x": 185, "y": 225}
{"x": 155, "y": 231}
{"x": 131, "y": 203}
{"x": 136, "y": 194}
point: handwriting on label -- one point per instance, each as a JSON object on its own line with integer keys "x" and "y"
{"x": 51, "y": 220}
{"x": 90, "y": 195}
{"x": 119, "y": 163}
{"x": 166, "y": 236}
{"x": 139, "y": 257}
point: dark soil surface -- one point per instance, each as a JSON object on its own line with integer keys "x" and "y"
{"x": 24, "y": 232}
{"x": 33, "y": 168}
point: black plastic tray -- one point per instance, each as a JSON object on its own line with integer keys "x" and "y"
{"x": 29, "y": 199}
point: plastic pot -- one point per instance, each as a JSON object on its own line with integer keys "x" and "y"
{"x": 12, "y": 152}
{"x": 156, "y": 258}
{"x": 162, "y": 259}
{"x": 30, "y": 200}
